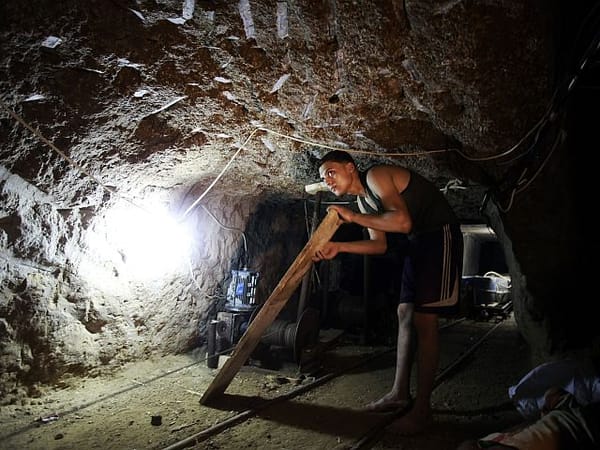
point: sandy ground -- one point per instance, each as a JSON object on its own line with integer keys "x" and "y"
{"x": 155, "y": 404}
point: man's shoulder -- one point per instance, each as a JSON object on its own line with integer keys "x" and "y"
{"x": 386, "y": 171}
{"x": 385, "y": 168}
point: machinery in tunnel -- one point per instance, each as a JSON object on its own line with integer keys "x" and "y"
{"x": 486, "y": 284}
{"x": 241, "y": 307}
{"x": 231, "y": 323}
{"x": 355, "y": 295}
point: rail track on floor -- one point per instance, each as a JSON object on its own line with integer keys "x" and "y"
{"x": 367, "y": 439}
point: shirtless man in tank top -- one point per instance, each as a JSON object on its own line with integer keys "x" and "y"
{"x": 397, "y": 200}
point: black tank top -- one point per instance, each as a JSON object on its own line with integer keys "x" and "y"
{"x": 427, "y": 206}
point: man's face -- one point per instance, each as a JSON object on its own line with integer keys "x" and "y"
{"x": 337, "y": 176}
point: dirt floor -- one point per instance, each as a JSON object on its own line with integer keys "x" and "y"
{"x": 155, "y": 404}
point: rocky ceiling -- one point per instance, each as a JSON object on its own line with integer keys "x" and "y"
{"x": 219, "y": 109}
{"x": 163, "y": 93}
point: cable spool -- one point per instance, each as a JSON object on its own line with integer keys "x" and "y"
{"x": 307, "y": 332}
{"x": 294, "y": 335}
{"x": 276, "y": 333}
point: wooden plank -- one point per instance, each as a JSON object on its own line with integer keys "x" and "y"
{"x": 272, "y": 306}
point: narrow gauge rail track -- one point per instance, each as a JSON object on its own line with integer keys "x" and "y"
{"x": 366, "y": 439}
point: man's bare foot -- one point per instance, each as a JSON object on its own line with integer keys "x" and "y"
{"x": 412, "y": 423}
{"x": 388, "y": 403}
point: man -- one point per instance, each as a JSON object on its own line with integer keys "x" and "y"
{"x": 395, "y": 199}
{"x": 564, "y": 424}
{"x": 560, "y": 401}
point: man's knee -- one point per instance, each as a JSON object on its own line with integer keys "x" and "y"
{"x": 405, "y": 313}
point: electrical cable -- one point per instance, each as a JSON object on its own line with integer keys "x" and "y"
{"x": 518, "y": 189}
{"x": 230, "y": 229}
{"x": 594, "y": 13}
{"x": 78, "y": 167}
{"x": 557, "y": 101}
{"x": 559, "y": 139}
{"x": 364, "y": 152}
{"x": 69, "y": 160}
{"x": 539, "y": 124}
{"x": 219, "y": 175}
{"x": 40, "y": 136}
{"x": 242, "y": 146}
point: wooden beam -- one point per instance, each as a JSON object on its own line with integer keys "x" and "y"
{"x": 272, "y": 306}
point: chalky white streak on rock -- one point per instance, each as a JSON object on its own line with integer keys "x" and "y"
{"x": 188, "y": 9}
{"x": 282, "y": 19}
{"x": 244, "y": 8}
{"x": 279, "y": 83}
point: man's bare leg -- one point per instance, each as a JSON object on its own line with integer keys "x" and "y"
{"x": 420, "y": 416}
{"x": 399, "y": 396}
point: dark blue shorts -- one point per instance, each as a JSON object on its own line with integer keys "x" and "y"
{"x": 432, "y": 270}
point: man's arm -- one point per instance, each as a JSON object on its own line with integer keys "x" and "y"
{"x": 375, "y": 245}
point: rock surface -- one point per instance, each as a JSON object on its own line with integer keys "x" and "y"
{"x": 215, "y": 112}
